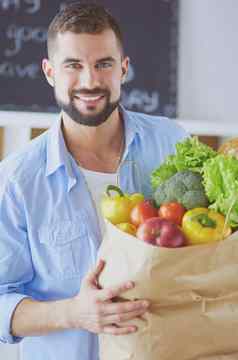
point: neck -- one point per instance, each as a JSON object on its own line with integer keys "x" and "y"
{"x": 95, "y": 148}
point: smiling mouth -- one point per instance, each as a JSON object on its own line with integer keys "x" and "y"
{"x": 89, "y": 99}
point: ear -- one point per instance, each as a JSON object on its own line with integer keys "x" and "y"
{"x": 48, "y": 70}
{"x": 125, "y": 67}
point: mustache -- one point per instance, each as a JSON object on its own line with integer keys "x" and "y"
{"x": 96, "y": 91}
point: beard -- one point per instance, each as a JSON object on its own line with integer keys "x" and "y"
{"x": 79, "y": 117}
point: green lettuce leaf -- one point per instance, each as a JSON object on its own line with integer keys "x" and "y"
{"x": 220, "y": 179}
{"x": 191, "y": 154}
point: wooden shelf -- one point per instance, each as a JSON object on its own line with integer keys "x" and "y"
{"x": 36, "y": 132}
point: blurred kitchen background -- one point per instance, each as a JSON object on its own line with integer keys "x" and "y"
{"x": 207, "y": 80}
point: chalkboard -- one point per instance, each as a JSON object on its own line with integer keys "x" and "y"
{"x": 150, "y": 34}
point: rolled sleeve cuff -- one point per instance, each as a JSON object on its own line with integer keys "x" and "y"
{"x": 8, "y": 304}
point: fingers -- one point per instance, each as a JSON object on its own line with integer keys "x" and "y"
{"x": 116, "y": 330}
{"x": 93, "y": 275}
{"x": 112, "y": 292}
{"x": 124, "y": 307}
{"x": 122, "y": 317}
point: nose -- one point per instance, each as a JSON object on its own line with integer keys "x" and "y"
{"x": 89, "y": 78}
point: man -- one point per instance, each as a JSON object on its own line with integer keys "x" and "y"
{"x": 50, "y": 299}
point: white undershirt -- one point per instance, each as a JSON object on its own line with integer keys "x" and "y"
{"x": 97, "y": 183}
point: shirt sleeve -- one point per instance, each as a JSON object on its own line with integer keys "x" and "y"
{"x": 15, "y": 259}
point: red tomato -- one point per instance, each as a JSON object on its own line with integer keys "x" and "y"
{"x": 143, "y": 211}
{"x": 172, "y": 211}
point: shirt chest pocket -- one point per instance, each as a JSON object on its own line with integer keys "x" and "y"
{"x": 65, "y": 248}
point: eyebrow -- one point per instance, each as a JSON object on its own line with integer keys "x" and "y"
{"x": 108, "y": 58}
{"x": 75, "y": 60}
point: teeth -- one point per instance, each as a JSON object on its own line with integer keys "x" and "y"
{"x": 92, "y": 98}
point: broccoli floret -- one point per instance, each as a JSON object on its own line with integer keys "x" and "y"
{"x": 192, "y": 180}
{"x": 162, "y": 195}
{"x": 184, "y": 187}
{"x": 175, "y": 184}
{"x": 194, "y": 198}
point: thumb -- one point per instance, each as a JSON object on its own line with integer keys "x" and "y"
{"x": 92, "y": 276}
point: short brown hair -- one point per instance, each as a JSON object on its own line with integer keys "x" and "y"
{"x": 82, "y": 18}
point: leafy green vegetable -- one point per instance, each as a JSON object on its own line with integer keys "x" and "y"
{"x": 220, "y": 178}
{"x": 191, "y": 154}
{"x": 184, "y": 187}
{"x": 164, "y": 172}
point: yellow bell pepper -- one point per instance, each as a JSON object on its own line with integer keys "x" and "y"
{"x": 135, "y": 198}
{"x": 202, "y": 226}
{"x": 127, "y": 228}
{"x": 117, "y": 208}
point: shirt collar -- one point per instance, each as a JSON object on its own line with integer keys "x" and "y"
{"x": 130, "y": 125}
{"x": 58, "y": 154}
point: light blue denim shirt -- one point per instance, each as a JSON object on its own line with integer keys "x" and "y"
{"x": 49, "y": 233}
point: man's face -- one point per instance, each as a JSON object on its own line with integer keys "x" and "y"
{"x": 86, "y": 72}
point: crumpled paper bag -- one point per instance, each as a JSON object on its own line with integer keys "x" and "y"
{"x": 193, "y": 293}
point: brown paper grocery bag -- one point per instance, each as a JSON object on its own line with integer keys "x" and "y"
{"x": 194, "y": 299}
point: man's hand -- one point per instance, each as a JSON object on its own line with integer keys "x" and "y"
{"x": 93, "y": 309}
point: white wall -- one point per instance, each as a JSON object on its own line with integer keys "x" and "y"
{"x": 208, "y": 73}
{"x": 208, "y": 67}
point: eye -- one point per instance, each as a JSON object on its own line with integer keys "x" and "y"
{"x": 103, "y": 65}
{"x": 75, "y": 66}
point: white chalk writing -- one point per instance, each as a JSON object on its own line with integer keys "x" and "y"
{"x": 28, "y": 6}
{"x": 10, "y": 70}
{"x": 10, "y": 4}
{"x": 141, "y": 100}
{"x": 35, "y": 6}
{"x": 23, "y": 34}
